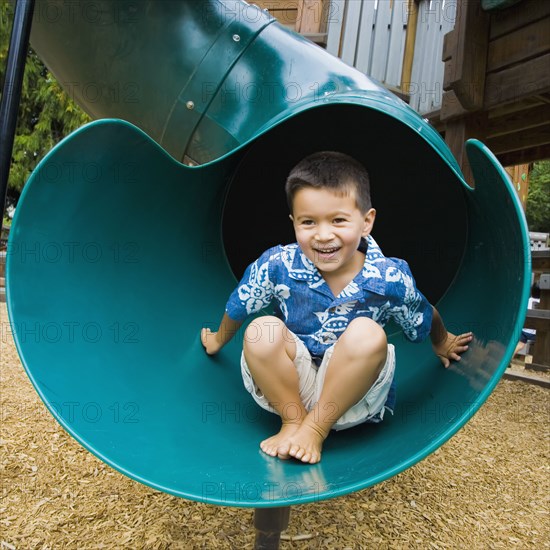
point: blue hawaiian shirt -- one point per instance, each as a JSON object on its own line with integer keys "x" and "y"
{"x": 285, "y": 279}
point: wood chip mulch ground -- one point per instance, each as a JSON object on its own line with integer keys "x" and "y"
{"x": 488, "y": 487}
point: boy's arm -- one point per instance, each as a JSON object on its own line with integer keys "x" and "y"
{"x": 447, "y": 346}
{"x": 214, "y": 341}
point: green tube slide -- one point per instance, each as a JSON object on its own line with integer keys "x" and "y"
{"x": 131, "y": 233}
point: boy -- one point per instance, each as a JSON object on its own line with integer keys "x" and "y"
{"x": 322, "y": 361}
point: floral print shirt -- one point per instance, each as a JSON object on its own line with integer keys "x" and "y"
{"x": 285, "y": 279}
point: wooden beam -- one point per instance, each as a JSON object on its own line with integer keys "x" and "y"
{"x": 526, "y": 139}
{"x": 318, "y": 37}
{"x": 527, "y": 11}
{"x": 543, "y": 98}
{"x": 398, "y": 92}
{"x": 537, "y": 368}
{"x": 285, "y": 12}
{"x": 515, "y": 83}
{"x": 451, "y": 108}
{"x": 530, "y": 379}
{"x": 531, "y": 154}
{"x": 458, "y": 131}
{"x": 410, "y": 40}
{"x": 525, "y": 43}
{"x": 465, "y": 70}
{"x": 516, "y": 106}
{"x": 518, "y": 121}
{"x": 309, "y": 16}
{"x": 449, "y": 45}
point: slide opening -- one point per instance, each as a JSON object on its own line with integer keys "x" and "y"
{"x": 421, "y": 209}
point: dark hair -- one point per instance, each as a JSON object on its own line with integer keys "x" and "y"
{"x": 330, "y": 170}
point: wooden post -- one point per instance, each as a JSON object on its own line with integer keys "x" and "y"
{"x": 539, "y": 319}
{"x": 309, "y": 16}
{"x": 410, "y": 40}
{"x": 520, "y": 179}
{"x": 465, "y": 55}
{"x": 458, "y": 131}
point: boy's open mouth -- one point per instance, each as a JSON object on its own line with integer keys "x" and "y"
{"x": 326, "y": 252}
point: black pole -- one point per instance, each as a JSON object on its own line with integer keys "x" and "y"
{"x": 269, "y": 522}
{"x": 11, "y": 93}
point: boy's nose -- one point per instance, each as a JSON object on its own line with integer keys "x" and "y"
{"x": 324, "y": 234}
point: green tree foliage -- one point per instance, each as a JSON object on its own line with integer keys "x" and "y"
{"x": 538, "y": 197}
{"x": 46, "y": 113}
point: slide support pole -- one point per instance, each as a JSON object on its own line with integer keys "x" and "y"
{"x": 11, "y": 93}
{"x": 269, "y": 522}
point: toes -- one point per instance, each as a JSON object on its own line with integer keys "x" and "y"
{"x": 294, "y": 450}
{"x": 268, "y": 449}
{"x": 311, "y": 457}
{"x": 300, "y": 454}
{"x": 283, "y": 451}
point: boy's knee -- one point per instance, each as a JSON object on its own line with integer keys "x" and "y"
{"x": 365, "y": 336}
{"x": 265, "y": 334}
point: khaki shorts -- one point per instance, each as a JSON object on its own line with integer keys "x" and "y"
{"x": 369, "y": 409}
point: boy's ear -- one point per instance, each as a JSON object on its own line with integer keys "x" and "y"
{"x": 368, "y": 219}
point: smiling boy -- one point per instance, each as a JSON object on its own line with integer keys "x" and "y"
{"x": 322, "y": 360}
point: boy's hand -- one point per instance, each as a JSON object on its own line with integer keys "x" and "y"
{"x": 210, "y": 342}
{"x": 214, "y": 341}
{"x": 450, "y": 348}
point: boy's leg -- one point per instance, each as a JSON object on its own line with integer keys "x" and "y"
{"x": 269, "y": 350}
{"x": 358, "y": 358}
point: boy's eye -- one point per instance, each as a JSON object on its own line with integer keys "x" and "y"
{"x": 339, "y": 220}
{"x": 307, "y": 222}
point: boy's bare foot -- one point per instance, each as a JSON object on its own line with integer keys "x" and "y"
{"x": 271, "y": 445}
{"x": 304, "y": 444}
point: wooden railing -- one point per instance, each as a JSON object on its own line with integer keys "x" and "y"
{"x": 398, "y": 42}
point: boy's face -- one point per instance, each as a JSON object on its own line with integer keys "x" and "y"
{"x": 329, "y": 228}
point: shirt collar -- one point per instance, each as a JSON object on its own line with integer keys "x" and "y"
{"x": 301, "y": 268}
{"x": 370, "y": 277}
